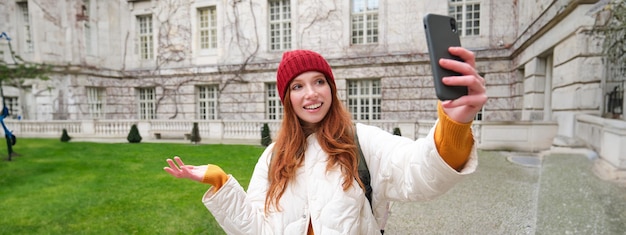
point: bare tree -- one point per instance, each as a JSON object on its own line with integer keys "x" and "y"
{"x": 611, "y": 27}
{"x": 14, "y": 74}
{"x": 614, "y": 31}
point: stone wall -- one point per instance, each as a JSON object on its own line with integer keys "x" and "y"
{"x": 517, "y": 41}
{"x": 562, "y": 67}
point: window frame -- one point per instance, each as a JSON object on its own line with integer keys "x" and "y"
{"x": 480, "y": 114}
{"x": 364, "y": 23}
{"x": 282, "y": 23}
{"x": 146, "y": 103}
{"x": 26, "y": 29}
{"x": 145, "y": 36}
{"x": 209, "y": 45}
{"x": 87, "y": 28}
{"x": 13, "y": 105}
{"x": 211, "y": 104}
{"x": 96, "y": 101}
{"x": 462, "y": 19}
{"x": 274, "y": 109}
{"x": 360, "y": 90}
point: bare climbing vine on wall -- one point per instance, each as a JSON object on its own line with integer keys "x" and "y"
{"x": 174, "y": 48}
{"x": 247, "y": 43}
{"x": 611, "y": 25}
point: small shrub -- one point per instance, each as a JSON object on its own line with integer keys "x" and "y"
{"x": 266, "y": 139}
{"x": 65, "y": 137}
{"x": 133, "y": 135}
{"x": 396, "y": 131}
{"x": 195, "y": 134}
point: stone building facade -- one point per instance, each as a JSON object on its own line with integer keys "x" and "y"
{"x": 216, "y": 59}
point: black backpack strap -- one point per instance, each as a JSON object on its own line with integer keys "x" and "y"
{"x": 364, "y": 172}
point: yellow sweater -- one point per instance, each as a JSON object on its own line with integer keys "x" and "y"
{"x": 453, "y": 140}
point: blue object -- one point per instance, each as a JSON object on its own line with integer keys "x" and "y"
{"x": 4, "y": 35}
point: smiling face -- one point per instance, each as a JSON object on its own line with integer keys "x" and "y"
{"x": 310, "y": 96}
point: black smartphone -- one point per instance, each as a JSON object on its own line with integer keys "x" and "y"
{"x": 441, "y": 33}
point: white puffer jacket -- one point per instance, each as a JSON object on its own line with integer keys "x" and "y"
{"x": 401, "y": 170}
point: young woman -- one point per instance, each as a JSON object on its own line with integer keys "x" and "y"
{"x": 307, "y": 181}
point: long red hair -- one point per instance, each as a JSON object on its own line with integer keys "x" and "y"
{"x": 335, "y": 134}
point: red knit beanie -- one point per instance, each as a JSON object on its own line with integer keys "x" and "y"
{"x": 297, "y": 62}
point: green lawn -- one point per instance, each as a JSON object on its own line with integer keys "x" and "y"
{"x": 104, "y": 188}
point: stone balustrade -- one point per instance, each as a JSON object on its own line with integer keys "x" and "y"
{"x": 215, "y": 130}
{"x": 520, "y": 136}
{"x": 607, "y": 137}
{"x": 514, "y": 136}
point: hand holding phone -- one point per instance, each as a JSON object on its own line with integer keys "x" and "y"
{"x": 441, "y": 34}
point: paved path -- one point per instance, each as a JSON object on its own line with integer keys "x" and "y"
{"x": 559, "y": 195}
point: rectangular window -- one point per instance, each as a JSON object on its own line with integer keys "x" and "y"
{"x": 12, "y": 103}
{"x": 364, "y": 99}
{"x": 146, "y": 44}
{"x": 613, "y": 88}
{"x": 86, "y": 9}
{"x": 207, "y": 102}
{"x": 364, "y": 21}
{"x": 479, "y": 115}
{"x": 147, "y": 103}
{"x": 207, "y": 28}
{"x": 280, "y": 24}
{"x": 95, "y": 101}
{"x": 274, "y": 106}
{"x": 87, "y": 38}
{"x": 467, "y": 15}
{"x": 25, "y": 20}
